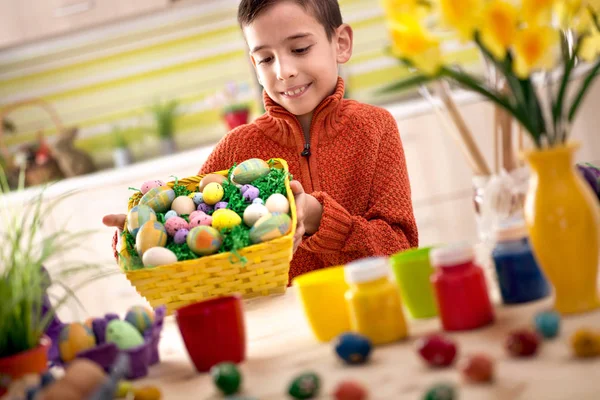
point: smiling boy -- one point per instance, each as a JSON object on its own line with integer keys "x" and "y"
{"x": 351, "y": 184}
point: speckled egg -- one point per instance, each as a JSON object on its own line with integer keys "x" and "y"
{"x": 183, "y": 205}
{"x": 275, "y": 226}
{"x": 73, "y": 339}
{"x": 205, "y": 208}
{"x": 196, "y": 197}
{"x": 151, "y": 234}
{"x": 138, "y": 216}
{"x": 123, "y": 334}
{"x": 258, "y": 201}
{"x": 157, "y": 256}
{"x": 146, "y": 186}
{"x": 209, "y": 179}
{"x": 141, "y": 317}
{"x": 180, "y": 236}
{"x": 250, "y": 170}
{"x": 172, "y": 225}
{"x": 204, "y": 240}
{"x": 213, "y": 193}
{"x": 225, "y": 219}
{"x": 251, "y": 194}
{"x": 170, "y": 214}
{"x": 253, "y": 213}
{"x": 278, "y": 203}
{"x": 221, "y": 205}
{"x": 159, "y": 198}
{"x": 200, "y": 220}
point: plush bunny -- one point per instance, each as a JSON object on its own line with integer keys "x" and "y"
{"x": 72, "y": 161}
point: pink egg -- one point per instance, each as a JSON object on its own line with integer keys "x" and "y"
{"x": 151, "y": 185}
{"x": 172, "y": 225}
{"x": 201, "y": 219}
{"x": 195, "y": 214}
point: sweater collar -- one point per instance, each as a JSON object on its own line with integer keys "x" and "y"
{"x": 327, "y": 115}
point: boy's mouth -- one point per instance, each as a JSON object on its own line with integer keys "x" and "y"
{"x": 296, "y": 91}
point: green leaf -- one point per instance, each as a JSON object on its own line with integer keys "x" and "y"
{"x": 407, "y": 83}
{"x": 583, "y": 89}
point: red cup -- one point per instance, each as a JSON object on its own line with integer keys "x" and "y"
{"x": 213, "y": 331}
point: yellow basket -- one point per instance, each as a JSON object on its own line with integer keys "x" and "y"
{"x": 176, "y": 285}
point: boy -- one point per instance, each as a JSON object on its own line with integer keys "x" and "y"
{"x": 351, "y": 185}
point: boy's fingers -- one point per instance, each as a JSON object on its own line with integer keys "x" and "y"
{"x": 114, "y": 220}
{"x": 296, "y": 188}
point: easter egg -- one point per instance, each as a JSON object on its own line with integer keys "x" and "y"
{"x": 250, "y": 170}
{"x": 258, "y": 200}
{"x": 225, "y": 219}
{"x": 196, "y": 197}
{"x": 159, "y": 198}
{"x": 585, "y": 343}
{"x": 123, "y": 334}
{"x": 547, "y": 324}
{"x": 200, "y": 219}
{"x": 353, "y": 348}
{"x": 204, "y": 240}
{"x": 73, "y": 339}
{"x": 210, "y": 178}
{"x": 205, "y": 208}
{"x": 181, "y": 236}
{"x": 253, "y": 213}
{"x": 220, "y": 205}
{"x": 141, "y": 317}
{"x": 251, "y": 194}
{"x": 157, "y": 256}
{"x": 305, "y": 386}
{"x": 151, "y": 234}
{"x": 477, "y": 368}
{"x": 147, "y": 393}
{"x": 183, "y": 205}
{"x": 275, "y": 226}
{"x": 522, "y": 343}
{"x": 146, "y": 186}
{"x": 170, "y": 214}
{"x": 226, "y": 377}
{"x": 437, "y": 350}
{"x": 174, "y": 224}
{"x": 278, "y": 203}
{"x": 350, "y": 390}
{"x": 441, "y": 391}
{"x": 213, "y": 193}
{"x": 138, "y": 216}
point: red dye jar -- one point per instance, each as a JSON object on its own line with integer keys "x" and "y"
{"x": 460, "y": 289}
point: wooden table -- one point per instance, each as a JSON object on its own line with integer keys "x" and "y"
{"x": 280, "y": 346}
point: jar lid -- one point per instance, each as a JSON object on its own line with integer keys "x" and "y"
{"x": 514, "y": 230}
{"x": 366, "y": 269}
{"x": 451, "y": 256}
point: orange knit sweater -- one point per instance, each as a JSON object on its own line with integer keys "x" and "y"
{"x": 356, "y": 169}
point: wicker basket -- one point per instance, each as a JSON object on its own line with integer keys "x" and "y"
{"x": 176, "y": 285}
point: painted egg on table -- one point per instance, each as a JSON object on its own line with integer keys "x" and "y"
{"x": 181, "y": 236}
{"x": 172, "y": 225}
{"x": 141, "y": 317}
{"x": 146, "y": 186}
{"x": 225, "y": 219}
{"x": 213, "y": 193}
{"x": 138, "y": 216}
{"x": 73, "y": 339}
{"x": 278, "y": 203}
{"x": 159, "y": 198}
{"x": 157, "y": 256}
{"x": 353, "y": 348}
{"x": 196, "y": 197}
{"x": 123, "y": 334}
{"x": 151, "y": 234}
{"x": 204, "y": 240}
{"x": 200, "y": 219}
{"x": 250, "y": 170}
{"x": 253, "y": 213}
{"x": 268, "y": 228}
{"x": 205, "y": 208}
{"x": 183, "y": 205}
{"x": 209, "y": 179}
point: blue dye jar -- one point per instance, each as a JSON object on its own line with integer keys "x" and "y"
{"x": 519, "y": 276}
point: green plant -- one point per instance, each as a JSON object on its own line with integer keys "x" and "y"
{"x": 119, "y": 138}
{"x": 164, "y": 115}
{"x": 24, "y": 281}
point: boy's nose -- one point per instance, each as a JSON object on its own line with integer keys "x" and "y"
{"x": 286, "y": 70}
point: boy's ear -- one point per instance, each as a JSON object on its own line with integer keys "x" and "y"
{"x": 345, "y": 38}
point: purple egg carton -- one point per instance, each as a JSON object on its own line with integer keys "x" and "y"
{"x": 105, "y": 354}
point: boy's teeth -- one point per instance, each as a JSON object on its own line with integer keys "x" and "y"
{"x": 297, "y": 91}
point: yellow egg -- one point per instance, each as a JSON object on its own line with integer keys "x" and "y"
{"x": 151, "y": 234}
{"x": 225, "y": 219}
{"x": 213, "y": 193}
{"x": 73, "y": 339}
{"x": 138, "y": 216}
{"x": 183, "y": 205}
{"x": 209, "y": 179}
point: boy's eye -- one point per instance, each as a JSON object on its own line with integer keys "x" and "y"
{"x": 265, "y": 60}
{"x": 301, "y": 51}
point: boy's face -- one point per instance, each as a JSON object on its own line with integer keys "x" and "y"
{"x": 294, "y": 60}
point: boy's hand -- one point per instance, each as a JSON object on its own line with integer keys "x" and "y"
{"x": 308, "y": 211}
{"x": 115, "y": 221}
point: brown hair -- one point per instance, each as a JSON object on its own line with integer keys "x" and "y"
{"x": 327, "y": 12}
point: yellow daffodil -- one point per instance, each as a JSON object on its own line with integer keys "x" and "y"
{"x": 462, "y": 15}
{"x": 499, "y": 26}
{"x": 575, "y": 14}
{"x": 535, "y": 48}
{"x": 537, "y": 11}
{"x": 395, "y": 8}
{"x": 590, "y": 47}
{"x": 410, "y": 40}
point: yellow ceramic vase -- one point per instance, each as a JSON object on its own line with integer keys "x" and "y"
{"x": 563, "y": 219}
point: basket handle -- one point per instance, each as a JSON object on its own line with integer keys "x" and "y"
{"x": 21, "y": 104}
